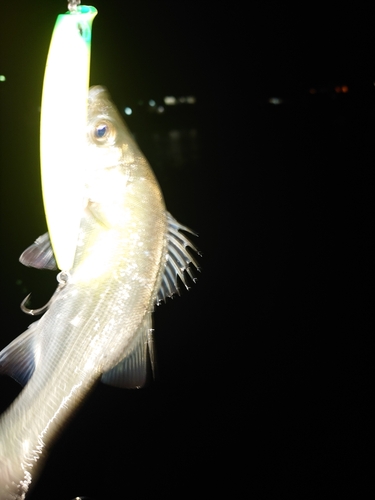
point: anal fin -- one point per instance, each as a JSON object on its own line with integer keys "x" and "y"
{"x": 132, "y": 371}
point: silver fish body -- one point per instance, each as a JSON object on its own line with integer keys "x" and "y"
{"x": 98, "y": 325}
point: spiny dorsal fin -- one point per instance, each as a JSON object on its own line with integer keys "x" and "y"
{"x": 178, "y": 260}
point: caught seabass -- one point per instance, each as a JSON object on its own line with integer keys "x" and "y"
{"x": 129, "y": 255}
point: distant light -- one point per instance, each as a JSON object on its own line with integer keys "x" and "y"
{"x": 182, "y": 99}
{"x": 151, "y": 102}
{"x": 275, "y": 100}
{"x": 160, "y": 109}
{"x": 2, "y": 78}
{"x": 312, "y": 91}
{"x": 344, "y": 89}
{"x": 170, "y": 100}
{"x": 128, "y": 111}
{"x": 174, "y": 134}
{"x": 191, "y": 99}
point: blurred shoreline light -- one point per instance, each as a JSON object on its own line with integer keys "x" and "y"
{"x": 329, "y": 90}
{"x": 341, "y": 88}
{"x": 2, "y": 78}
{"x": 170, "y": 100}
{"x": 128, "y": 111}
{"x": 275, "y": 100}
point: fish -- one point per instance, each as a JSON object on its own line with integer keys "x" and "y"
{"x": 131, "y": 254}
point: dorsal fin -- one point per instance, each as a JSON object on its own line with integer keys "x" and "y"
{"x": 178, "y": 260}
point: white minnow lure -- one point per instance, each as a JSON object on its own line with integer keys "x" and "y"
{"x": 129, "y": 255}
{"x": 64, "y": 108}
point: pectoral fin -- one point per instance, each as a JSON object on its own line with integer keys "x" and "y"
{"x": 131, "y": 371}
{"x": 18, "y": 358}
{"x": 39, "y": 254}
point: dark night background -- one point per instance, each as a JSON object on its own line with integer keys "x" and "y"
{"x": 264, "y": 366}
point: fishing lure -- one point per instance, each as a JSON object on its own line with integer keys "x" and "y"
{"x": 63, "y": 128}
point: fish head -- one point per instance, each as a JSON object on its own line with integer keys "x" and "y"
{"x": 123, "y": 203}
{"x": 109, "y": 140}
{"x": 117, "y": 171}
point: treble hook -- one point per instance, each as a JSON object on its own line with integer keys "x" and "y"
{"x": 35, "y": 312}
{"x": 62, "y": 279}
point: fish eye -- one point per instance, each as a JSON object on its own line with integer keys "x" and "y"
{"x": 103, "y": 132}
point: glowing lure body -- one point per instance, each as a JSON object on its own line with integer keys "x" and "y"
{"x": 64, "y": 119}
